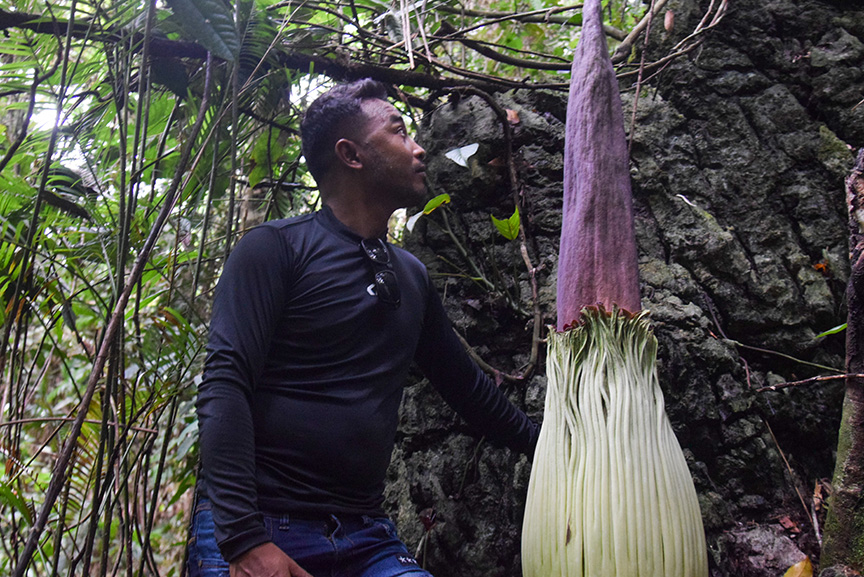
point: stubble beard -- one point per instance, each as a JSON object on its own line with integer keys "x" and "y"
{"x": 401, "y": 190}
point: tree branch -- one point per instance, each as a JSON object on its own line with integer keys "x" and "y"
{"x": 447, "y": 32}
{"x": 341, "y": 67}
{"x": 159, "y": 47}
{"x": 345, "y": 69}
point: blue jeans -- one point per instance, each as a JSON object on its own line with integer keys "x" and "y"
{"x": 332, "y": 546}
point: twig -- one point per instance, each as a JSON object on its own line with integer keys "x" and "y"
{"x": 758, "y": 349}
{"x": 626, "y": 44}
{"x": 483, "y": 49}
{"x": 22, "y": 134}
{"x": 783, "y": 355}
{"x": 523, "y": 234}
{"x": 682, "y": 47}
{"x": 809, "y": 381}
{"x": 651, "y": 12}
{"x": 406, "y": 32}
{"x": 815, "y": 519}
{"x": 788, "y": 468}
{"x": 499, "y": 375}
{"x": 545, "y": 15}
{"x": 479, "y": 276}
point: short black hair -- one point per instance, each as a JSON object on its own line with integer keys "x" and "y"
{"x": 325, "y": 121}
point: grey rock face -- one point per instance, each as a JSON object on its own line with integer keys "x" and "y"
{"x": 738, "y": 159}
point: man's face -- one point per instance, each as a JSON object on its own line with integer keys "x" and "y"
{"x": 392, "y": 159}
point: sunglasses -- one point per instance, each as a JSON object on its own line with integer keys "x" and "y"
{"x": 386, "y": 283}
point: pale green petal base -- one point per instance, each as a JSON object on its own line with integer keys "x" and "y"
{"x": 610, "y": 493}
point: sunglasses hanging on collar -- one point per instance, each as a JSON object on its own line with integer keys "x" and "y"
{"x": 386, "y": 283}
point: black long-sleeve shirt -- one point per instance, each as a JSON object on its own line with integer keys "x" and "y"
{"x": 299, "y": 402}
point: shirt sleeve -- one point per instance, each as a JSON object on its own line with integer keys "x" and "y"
{"x": 466, "y": 388}
{"x": 248, "y": 301}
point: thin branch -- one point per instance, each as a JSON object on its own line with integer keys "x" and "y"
{"x": 651, "y": 12}
{"x": 788, "y": 468}
{"x": 342, "y": 70}
{"x": 543, "y": 16}
{"x": 362, "y": 34}
{"x": 515, "y": 190}
{"x": 810, "y": 381}
{"x": 626, "y": 45}
{"x": 783, "y": 355}
{"x": 447, "y": 32}
{"x": 22, "y": 134}
{"x": 688, "y": 44}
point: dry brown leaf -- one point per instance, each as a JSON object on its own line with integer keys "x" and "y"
{"x": 789, "y": 524}
{"x": 801, "y": 569}
{"x": 169, "y": 317}
{"x": 817, "y": 496}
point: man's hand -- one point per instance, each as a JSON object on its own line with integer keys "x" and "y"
{"x": 266, "y": 560}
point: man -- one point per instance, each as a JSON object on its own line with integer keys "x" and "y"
{"x": 315, "y": 323}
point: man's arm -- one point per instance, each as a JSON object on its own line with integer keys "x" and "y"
{"x": 465, "y": 387}
{"x": 248, "y": 302}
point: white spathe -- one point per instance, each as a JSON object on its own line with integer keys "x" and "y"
{"x": 610, "y": 492}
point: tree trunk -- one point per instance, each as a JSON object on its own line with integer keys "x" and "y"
{"x": 844, "y": 532}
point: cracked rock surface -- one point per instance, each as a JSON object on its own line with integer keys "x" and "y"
{"x": 739, "y": 154}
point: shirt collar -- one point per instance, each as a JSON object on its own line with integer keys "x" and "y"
{"x": 326, "y": 217}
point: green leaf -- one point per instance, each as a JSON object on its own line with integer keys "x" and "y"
{"x": 509, "y": 228}
{"x": 834, "y": 331}
{"x": 436, "y": 202}
{"x": 182, "y": 489}
{"x": 10, "y": 497}
{"x": 428, "y": 209}
{"x": 211, "y": 23}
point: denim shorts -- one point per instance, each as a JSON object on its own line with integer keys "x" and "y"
{"x": 327, "y": 546}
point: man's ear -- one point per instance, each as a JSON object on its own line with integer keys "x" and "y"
{"x": 347, "y": 153}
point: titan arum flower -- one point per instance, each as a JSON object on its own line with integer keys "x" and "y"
{"x": 610, "y": 493}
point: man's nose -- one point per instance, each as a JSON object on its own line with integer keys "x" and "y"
{"x": 419, "y": 152}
